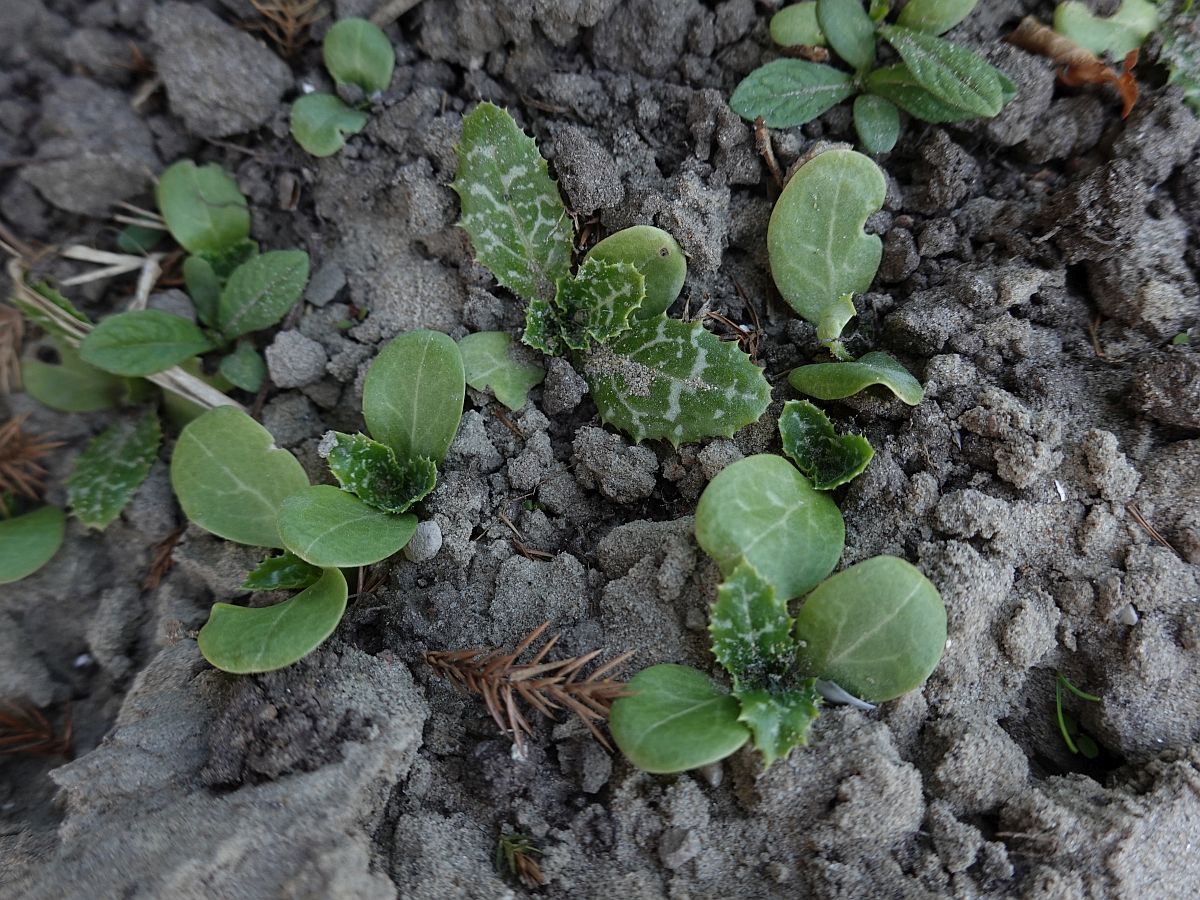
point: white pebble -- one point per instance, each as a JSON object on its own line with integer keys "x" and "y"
{"x": 425, "y": 543}
{"x": 1128, "y": 615}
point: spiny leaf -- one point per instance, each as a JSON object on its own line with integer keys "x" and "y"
{"x": 321, "y": 123}
{"x": 595, "y": 306}
{"x": 954, "y": 75}
{"x": 670, "y": 380}
{"x": 111, "y": 469}
{"x": 286, "y": 572}
{"x": 370, "y": 470}
{"x": 142, "y": 342}
{"x": 489, "y": 365}
{"x": 790, "y": 92}
{"x": 655, "y": 254}
{"x": 358, "y": 52}
{"x": 751, "y": 629}
{"x": 833, "y": 381}
{"x": 326, "y": 526}
{"x": 203, "y": 207}
{"x": 510, "y": 206}
{"x": 779, "y": 720}
{"x": 27, "y": 542}
{"x": 543, "y": 330}
{"x": 828, "y": 458}
{"x": 260, "y": 292}
{"x": 243, "y": 640}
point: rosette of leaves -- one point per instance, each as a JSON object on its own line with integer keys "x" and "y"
{"x": 235, "y": 289}
{"x": 653, "y": 377}
{"x": 233, "y": 482}
{"x": 935, "y": 80}
{"x": 874, "y": 631}
{"x": 360, "y": 58}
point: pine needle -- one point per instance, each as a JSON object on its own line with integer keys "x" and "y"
{"x": 514, "y": 856}
{"x": 24, "y": 729}
{"x": 286, "y": 22}
{"x": 21, "y": 473}
{"x": 546, "y": 687}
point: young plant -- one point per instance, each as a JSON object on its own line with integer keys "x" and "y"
{"x": 653, "y": 377}
{"x": 935, "y": 81}
{"x": 872, "y": 632}
{"x": 233, "y": 482}
{"x": 489, "y": 364}
{"x": 1116, "y": 35}
{"x": 360, "y": 58}
{"x": 1076, "y": 740}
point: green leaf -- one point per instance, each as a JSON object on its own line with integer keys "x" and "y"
{"x": 260, "y": 292}
{"x": 142, "y": 342}
{"x": 833, "y": 381}
{"x": 321, "y": 123}
{"x": 789, "y": 92}
{"x": 203, "y": 286}
{"x": 510, "y": 206}
{"x": 203, "y": 207}
{"x": 231, "y": 479}
{"x": 935, "y": 16}
{"x": 1181, "y": 50}
{"x": 595, "y": 306}
{"x": 543, "y": 328}
{"x": 70, "y": 384}
{"x": 818, "y": 250}
{"x": 286, "y": 572}
{"x": 370, "y": 471}
{"x": 897, "y": 84}
{"x": 954, "y": 75}
{"x": 358, "y": 52}
{"x": 1117, "y": 34}
{"x": 489, "y": 365}
{"x": 761, "y": 510}
{"x": 413, "y": 395}
{"x": 244, "y": 640}
{"x": 877, "y": 123}
{"x": 111, "y": 469}
{"x": 829, "y": 459}
{"x": 244, "y": 367}
{"x": 139, "y": 239}
{"x": 878, "y": 629}
{"x": 230, "y": 257}
{"x": 849, "y": 30}
{"x": 28, "y": 542}
{"x": 675, "y": 719}
{"x": 326, "y": 526}
{"x": 670, "y": 380}
{"x": 655, "y": 254}
{"x": 751, "y": 629}
{"x": 796, "y": 26}
{"x": 778, "y": 720}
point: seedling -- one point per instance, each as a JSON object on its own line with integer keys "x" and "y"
{"x": 514, "y": 857}
{"x": 1116, "y": 35}
{"x": 233, "y": 482}
{"x": 490, "y": 365}
{"x": 936, "y": 80}
{"x": 1076, "y": 740}
{"x": 360, "y": 58}
{"x": 827, "y": 458}
{"x": 875, "y": 630}
{"x": 653, "y": 377}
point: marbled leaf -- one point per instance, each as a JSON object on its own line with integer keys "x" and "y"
{"x": 595, "y": 305}
{"x": 111, "y": 469}
{"x": 829, "y": 459}
{"x": 751, "y": 629}
{"x": 779, "y": 720}
{"x": 371, "y": 471}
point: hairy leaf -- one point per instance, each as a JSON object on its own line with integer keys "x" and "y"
{"x": 68, "y": 384}
{"x": 877, "y": 628}
{"x": 935, "y": 16}
{"x": 326, "y": 526}
{"x": 655, "y": 254}
{"x": 761, "y": 510}
{"x": 29, "y": 541}
{"x": 818, "y": 250}
{"x": 510, "y": 206}
{"x": 286, "y": 572}
{"x": 142, "y": 342}
{"x": 370, "y": 471}
{"x": 204, "y": 287}
{"x": 244, "y": 367}
{"x": 489, "y": 364}
{"x": 849, "y": 30}
{"x": 111, "y": 469}
{"x": 897, "y": 84}
{"x": 796, "y": 25}
{"x": 321, "y": 123}
{"x": 413, "y": 395}
{"x": 670, "y": 380}
{"x": 595, "y": 306}
{"x": 358, "y": 52}
{"x": 1117, "y": 34}
{"x": 954, "y": 75}
{"x": 231, "y": 479}
{"x": 260, "y": 292}
{"x": 244, "y": 640}
{"x": 675, "y": 719}
{"x": 829, "y": 459}
{"x": 203, "y": 207}
{"x": 877, "y": 123}
{"x": 833, "y": 381}
{"x": 751, "y": 629}
{"x": 778, "y": 720}
{"x": 789, "y": 92}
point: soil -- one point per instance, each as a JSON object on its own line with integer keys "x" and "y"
{"x": 1036, "y": 268}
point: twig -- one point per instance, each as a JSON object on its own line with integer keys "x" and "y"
{"x": 762, "y": 140}
{"x": 163, "y": 560}
{"x": 1150, "y": 529}
{"x": 12, "y": 331}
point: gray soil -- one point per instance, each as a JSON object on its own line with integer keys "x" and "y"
{"x": 1036, "y": 268}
